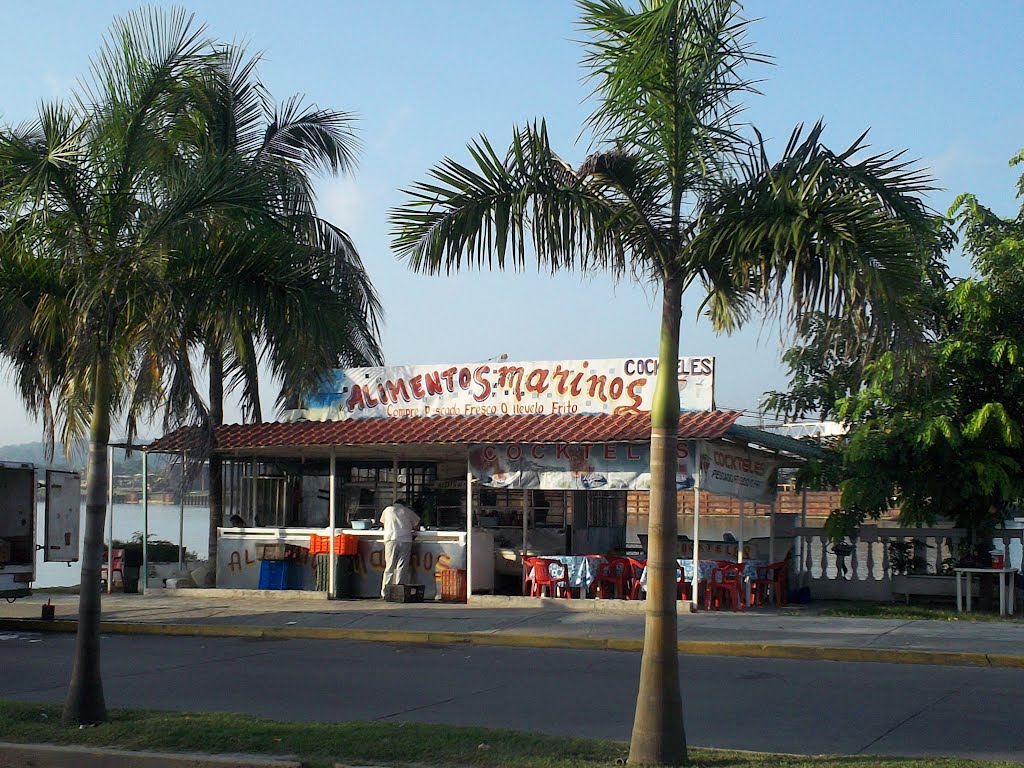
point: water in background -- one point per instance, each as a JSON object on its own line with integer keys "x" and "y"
{"x": 163, "y": 524}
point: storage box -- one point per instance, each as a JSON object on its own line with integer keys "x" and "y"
{"x": 344, "y": 568}
{"x": 404, "y": 593}
{"x": 453, "y": 585}
{"x": 280, "y": 574}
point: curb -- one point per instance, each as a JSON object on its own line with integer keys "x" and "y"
{"x": 264, "y": 594}
{"x": 413, "y": 637}
{"x": 51, "y": 756}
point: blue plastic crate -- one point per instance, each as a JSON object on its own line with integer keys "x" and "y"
{"x": 274, "y": 574}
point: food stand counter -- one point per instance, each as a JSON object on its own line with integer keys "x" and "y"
{"x": 238, "y": 558}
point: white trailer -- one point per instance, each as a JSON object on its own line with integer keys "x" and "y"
{"x": 18, "y": 524}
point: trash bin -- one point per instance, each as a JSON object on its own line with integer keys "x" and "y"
{"x": 343, "y": 573}
{"x": 131, "y": 579}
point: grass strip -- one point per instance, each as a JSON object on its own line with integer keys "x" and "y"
{"x": 865, "y": 610}
{"x": 319, "y": 745}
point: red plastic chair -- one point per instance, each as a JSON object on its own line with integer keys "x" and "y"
{"x": 635, "y": 588}
{"x": 528, "y": 578}
{"x": 682, "y": 584}
{"x": 614, "y": 578}
{"x": 544, "y": 579}
{"x": 726, "y": 581}
{"x": 116, "y": 567}
{"x": 770, "y": 583}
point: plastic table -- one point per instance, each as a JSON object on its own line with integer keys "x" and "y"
{"x": 1005, "y": 577}
{"x": 705, "y": 567}
{"x": 581, "y": 569}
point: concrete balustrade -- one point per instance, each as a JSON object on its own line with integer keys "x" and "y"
{"x": 865, "y": 569}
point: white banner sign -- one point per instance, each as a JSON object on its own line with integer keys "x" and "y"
{"x": 738, "y": 472}
{"x": 618, "y": 386}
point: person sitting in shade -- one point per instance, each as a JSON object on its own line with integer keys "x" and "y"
{"x": 399, "y": 522}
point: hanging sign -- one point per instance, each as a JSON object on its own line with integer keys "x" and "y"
{"x": 580, "y": 467}
{"x": 731, "y": 470}
{"x": 616, "y": 386}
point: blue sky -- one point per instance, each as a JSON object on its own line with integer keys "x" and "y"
{"x": 939, "y": 79}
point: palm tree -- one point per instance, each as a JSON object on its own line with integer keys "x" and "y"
{"x": 305, "y": 305}
{"x": 676, "y": 193}
{"x": 91, "y": 196}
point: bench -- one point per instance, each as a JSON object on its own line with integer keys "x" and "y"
{"x": 927, "y": 585}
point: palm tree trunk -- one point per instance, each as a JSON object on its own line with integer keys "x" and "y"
{"x": 215, "y": 463}
{"x": 658, "y": 735}
{"x": 85, "y": 702}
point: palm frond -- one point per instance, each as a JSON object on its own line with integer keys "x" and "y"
{"x": 819, "y": 231}
{"x": 487, "y": 214}
{"x": 665, "y": 78}
{"x": 313, "y": 139}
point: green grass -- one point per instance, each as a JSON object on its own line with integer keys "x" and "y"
{"x": 320, "y": 745}
{"x": 865, "y": 610}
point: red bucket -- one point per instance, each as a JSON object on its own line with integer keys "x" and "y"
{"x": 997, "y": 559}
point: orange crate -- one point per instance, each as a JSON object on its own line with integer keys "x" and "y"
{"x": 344, "y": 544}
{"x": 318, "y": 545}
{"x": 453, "y": 585}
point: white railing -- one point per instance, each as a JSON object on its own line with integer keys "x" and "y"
{"x": 865, "y": 568}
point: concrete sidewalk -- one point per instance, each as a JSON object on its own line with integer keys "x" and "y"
{"x": 793, "y": 632}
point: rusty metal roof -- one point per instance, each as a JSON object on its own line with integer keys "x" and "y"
{"x": 451, "y": 430}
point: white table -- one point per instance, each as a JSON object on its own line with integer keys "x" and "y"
{"x": 1006, "y": 587}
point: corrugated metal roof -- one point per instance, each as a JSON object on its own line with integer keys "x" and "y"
{"x": 452, "y": 430}
{"x": 774, "y": 441}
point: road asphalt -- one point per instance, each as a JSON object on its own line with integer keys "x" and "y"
{"x": 792, "y": 632}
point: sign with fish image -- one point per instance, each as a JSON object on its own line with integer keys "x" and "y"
{"x": 575, "y": 466}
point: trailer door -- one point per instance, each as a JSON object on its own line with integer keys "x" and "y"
{"x": 17, "y": 528}
{"x": 62, "y": 520}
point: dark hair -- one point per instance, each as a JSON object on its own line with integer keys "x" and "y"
{"x": 401, "y": 501}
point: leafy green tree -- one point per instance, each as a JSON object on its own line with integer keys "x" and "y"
{"x": 676, "y": 194}
{"x": 830, "y": 361}
{"x": 304, "y": 303}
{"x": 945, "y": 443}
{"x": 938, "y": 434}
{"x": 92, "y": 197}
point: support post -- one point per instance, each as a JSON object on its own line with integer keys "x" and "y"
{"x": 695, "y": 579}
{"x": 110, "y": 521}
{"x": 252, "y": 492}
{"x": 181, "y": 514}
{"x": 331, "y": 521}
{"x": 145, "y": 523}
{"x": 394, "y": 478}
{"x": 527, "y": 504}
{"x": 469, "y": 531}
{"x": 771, "y": 534}
{"x": 739, "y": 557}
{"x": 804, "y": 575}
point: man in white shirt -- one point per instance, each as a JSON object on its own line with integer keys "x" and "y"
{"x": 399, "y": 522}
